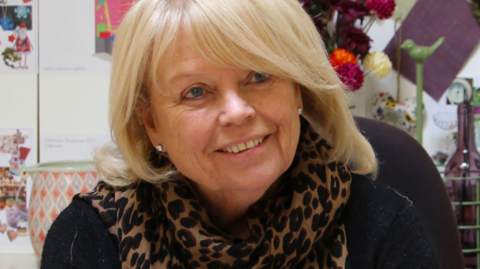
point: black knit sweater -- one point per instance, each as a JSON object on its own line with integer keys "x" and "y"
{"x": 383, "y": 231}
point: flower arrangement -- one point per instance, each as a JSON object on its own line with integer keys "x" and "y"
{"x": 343, "y": 25}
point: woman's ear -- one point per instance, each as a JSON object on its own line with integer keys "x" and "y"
{"x": 147, "y": 117}
{"x": 150, "y": 124}
{"x": 298, "y": 95}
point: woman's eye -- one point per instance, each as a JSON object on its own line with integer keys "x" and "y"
{"x": 259, "y": 77}
{"x": 195, "y": 93}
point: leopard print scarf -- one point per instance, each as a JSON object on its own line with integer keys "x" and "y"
{"x": 165, "y": 226}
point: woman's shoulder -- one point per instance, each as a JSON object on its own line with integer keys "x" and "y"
{"x": 77, "y": 230}
{"x": 138, "y": 202}
{"x": 368, "y": 193}
{"x": 383, "y": 225}
{"x": 109, "y": 216}
{"x": 373, "y": 204}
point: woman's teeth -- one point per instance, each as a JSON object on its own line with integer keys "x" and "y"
{"x": 243, "y": 146}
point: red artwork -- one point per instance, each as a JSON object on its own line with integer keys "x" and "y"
{"x": 22, "y": 45}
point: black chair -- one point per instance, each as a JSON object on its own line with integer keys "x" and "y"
{"x": 406, "y": 167}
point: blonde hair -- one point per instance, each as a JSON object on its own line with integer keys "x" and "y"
{"x": 275, "y": 37}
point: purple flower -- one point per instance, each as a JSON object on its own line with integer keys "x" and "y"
{"x": 351, "y": 75}
{"x": 355, "y": 40}
{"x": 352, "y": 11}
{"x": 319, "y": 23}
{"x": 330, "y": 2}
{"x": 383, "y": 8}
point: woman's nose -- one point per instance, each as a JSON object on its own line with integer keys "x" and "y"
{"x": 236, "y": 110}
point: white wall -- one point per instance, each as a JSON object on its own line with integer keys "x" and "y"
{"x": 73, "y": 109}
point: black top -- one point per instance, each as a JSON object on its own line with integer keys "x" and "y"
{"x": 383, "y": 231}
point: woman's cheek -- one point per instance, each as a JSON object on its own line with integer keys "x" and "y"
{"x": 194, "y": 128}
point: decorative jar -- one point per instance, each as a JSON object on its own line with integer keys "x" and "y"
{"x": 54, "y": 185}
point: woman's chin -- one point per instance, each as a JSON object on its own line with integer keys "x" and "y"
{"x": 251, "y": 181}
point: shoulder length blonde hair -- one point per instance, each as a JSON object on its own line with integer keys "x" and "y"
{"x": 275, "y": 37}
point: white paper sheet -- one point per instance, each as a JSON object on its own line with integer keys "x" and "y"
{"x": 77, "y": 40}
{"x": 70, "y": 147}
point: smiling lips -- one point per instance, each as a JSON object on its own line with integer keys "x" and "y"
{"x": 243, "y": 146}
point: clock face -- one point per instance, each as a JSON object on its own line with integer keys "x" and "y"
{"x": 460, "y": 91}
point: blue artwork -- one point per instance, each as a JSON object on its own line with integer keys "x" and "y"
{"x": 6, "y": 23}
{"x": 22, "y": 12}
{"x": 12, "y": 17}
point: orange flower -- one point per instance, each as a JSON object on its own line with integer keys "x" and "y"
{"x": 342, "y": 56}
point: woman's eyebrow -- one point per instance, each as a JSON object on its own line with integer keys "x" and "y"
{"x": 184, "y": 75}
{"x": 180, "y": 76}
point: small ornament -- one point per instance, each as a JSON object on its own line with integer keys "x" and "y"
{"x": 12, "y": 38}
{"x": 12, "y": 235}
{"x": 420, "y": 54}
{"x": 387, "y": 109}
{"x": 460, "y": 91}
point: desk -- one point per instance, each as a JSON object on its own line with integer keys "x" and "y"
{"x": 18, "y": 261}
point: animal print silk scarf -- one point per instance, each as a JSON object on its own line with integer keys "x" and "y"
{"x": 165, "y": 226}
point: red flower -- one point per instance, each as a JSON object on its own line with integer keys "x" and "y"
{"x": 342, "y": 56}
{"x": 352, "y": 11}
{"x": 355, "y": 40}
{"x": 383, "y": 8}
{"x": 11, "y": 38}
{"x": 351, "y": 75}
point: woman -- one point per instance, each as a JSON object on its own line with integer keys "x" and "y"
{"x": 234, "y": 149}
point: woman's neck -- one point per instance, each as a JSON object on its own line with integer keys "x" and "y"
{"x": 230, "y": 207}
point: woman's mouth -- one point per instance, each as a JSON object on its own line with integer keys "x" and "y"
{"x": 244, "y": 146}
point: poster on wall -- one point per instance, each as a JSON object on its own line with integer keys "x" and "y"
{"x": 79, "y": 42}
{"x": 15, "y": 155}
{"x": 18, "y": 36}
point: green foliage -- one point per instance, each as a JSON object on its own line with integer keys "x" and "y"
{"x": 9, "y": 57}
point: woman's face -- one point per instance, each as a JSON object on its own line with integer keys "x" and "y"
{"x": 225, "y": 129}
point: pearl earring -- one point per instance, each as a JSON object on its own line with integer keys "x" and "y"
{"x": 159, "y": 148}
{"x": 300, "y": 111}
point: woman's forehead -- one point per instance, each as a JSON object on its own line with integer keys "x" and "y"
{"x": 181, "y": 60}
{"x": 184, "y": 60}
{"x": 181, "y": 49}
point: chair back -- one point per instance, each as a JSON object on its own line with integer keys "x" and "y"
{"x": 405, "y": 166}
